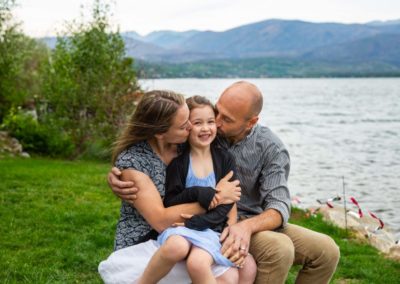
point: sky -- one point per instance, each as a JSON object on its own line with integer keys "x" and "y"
{"x": 46, "y": 17}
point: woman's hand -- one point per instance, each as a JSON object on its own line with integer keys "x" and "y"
{"x": 227, "y": 191}
{"x": 125, "y": 190}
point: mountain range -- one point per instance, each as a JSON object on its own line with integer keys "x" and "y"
{"x": 376, "y": 43}
{"x": 271, "y": 38}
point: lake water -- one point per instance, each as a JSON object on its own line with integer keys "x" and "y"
{"x": 333, "y": 128}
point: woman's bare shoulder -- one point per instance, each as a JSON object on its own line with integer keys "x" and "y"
{"x": 134, "y": 175}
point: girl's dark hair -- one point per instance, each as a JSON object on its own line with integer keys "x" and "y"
{"x": 199, "y": 101}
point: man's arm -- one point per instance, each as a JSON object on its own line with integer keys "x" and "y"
{"x": 126, "y": 190}
{"x": 232, "y": 216}
{"x": 273, "y": 182}
{"x": 276, "y": 203}
{"x": 236, "y": 238}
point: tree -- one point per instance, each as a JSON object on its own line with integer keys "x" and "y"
{"x": 20, "y": 59}
{"x": 88, "y": 82}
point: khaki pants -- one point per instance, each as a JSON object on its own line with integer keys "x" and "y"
{"x": 276, "y": 251}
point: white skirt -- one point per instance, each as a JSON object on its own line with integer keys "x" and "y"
{"x": 127, "y": 265}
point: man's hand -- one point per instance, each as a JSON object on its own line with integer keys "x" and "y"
{"x": 227, "y": 191}
{"x": 235, "y": 242}
{"x": 125, "y": 190}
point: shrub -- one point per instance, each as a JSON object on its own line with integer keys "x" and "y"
{"x": 20, "y": 59}
{"x": 41, "y": 138}
{"x": 87, "y": 81}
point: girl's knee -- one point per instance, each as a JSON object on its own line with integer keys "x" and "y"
{"x": 198, "y": 262}
{"x": 248, "y": 273}
{"x": 231, "y": 276}
{"x": 175, "y": 248}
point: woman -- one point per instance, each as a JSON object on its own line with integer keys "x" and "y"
{"x": 143, "y": 151}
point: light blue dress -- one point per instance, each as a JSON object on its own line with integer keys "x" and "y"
{"x": 208, "y": 239}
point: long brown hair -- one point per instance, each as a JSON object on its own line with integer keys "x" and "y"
{"x": 153, "y": 115}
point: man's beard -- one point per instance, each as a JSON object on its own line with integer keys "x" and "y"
{"x": 221, "y": 133}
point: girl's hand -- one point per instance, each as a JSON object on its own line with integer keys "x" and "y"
{"x": 227, "y": 191}
{"x": 182, "y": 224}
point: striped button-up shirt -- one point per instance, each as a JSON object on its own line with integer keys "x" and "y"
{"x": 263, "y": 166}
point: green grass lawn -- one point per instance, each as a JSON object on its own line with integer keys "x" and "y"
{"x": 58, "y": 220}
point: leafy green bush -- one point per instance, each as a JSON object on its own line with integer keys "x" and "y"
{"x": 41, "y": 138}
{"x": 20, "y": 59}
{"x": 88, "y": 84}
{"x": 85, "y": 86}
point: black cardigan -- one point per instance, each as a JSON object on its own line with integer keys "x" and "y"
{"x": 176, "y": 192}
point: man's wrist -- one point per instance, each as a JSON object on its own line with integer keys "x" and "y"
{"x": 249, "y": 225}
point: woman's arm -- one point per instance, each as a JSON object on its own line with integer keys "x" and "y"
{"x": 150, "y": 205}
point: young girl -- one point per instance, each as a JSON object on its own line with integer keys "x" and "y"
{"x": 192, "y": 177}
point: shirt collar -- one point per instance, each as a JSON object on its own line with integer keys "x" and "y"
{"x": 226, "y": 143}
{"x": 248, "y": 136}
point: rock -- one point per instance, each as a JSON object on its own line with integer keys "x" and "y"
{"x": 394, "y": 252}
{"x": 382, "y": 240}
{"x": 366, "y": 228}
{"x": 25, "y": 155}
{"x": 10, "y": 146}
{"x": 16, "y": 148}
{"x": 336, "y": 216}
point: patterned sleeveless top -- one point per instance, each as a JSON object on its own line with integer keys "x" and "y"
{"x": 132, "y": 228}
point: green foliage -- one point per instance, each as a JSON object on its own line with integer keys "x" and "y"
{"x": 20, "y": 59}
{"x": 88, "y": 81}
{"x": 41, "y": 138}
{"x": 82, "y": 90}
{"x": 267, "y": 67}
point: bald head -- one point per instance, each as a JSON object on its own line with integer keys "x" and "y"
{"x": 247, "y": 95}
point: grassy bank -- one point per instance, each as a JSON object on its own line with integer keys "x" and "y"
{"x": 58, "y": 221}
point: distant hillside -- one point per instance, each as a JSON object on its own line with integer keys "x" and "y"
{"x": 278, "y": 38}
{"x": 165, "y": 39}
{"x": 379, "y": 48}
{"x": 271, "y": 38}
{"x": 265, "y": 68}
{"x": 170, "y": 39}
{"x": 333, "y": 47}
{"x": 384, "y": 23}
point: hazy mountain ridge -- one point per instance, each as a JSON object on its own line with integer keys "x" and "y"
{"x": 270, "y": 38}
{"x": 375, "y": 43}
{"x": 382, "y": 47}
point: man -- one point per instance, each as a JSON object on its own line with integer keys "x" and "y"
{"x": 263, "y": 166}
